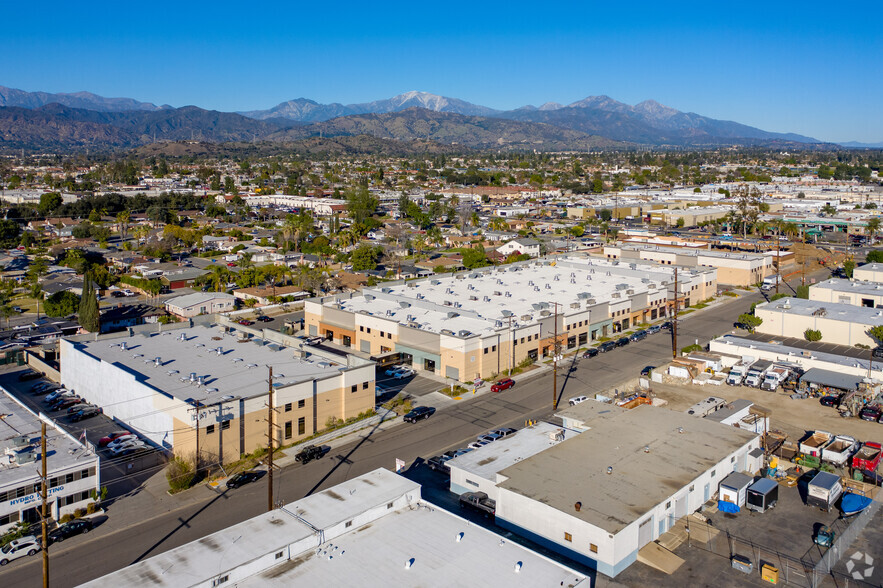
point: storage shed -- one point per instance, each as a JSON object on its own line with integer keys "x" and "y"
{"x": 734, "y": 488}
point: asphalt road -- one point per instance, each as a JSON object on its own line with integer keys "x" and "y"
{"x": 87, "y": 557}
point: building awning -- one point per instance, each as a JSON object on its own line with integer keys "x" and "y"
{"x": 830, "y": 379}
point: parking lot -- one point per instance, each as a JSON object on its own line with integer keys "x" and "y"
{"x": 120, "y": 475}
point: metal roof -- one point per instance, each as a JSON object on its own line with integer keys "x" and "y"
{"x": 831, "y": 379}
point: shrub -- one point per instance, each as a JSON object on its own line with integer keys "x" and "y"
{"x": 92, "y": 508}
{"x": 180, "y": 474}
{"x": 526, "y": 362}
{"x": 79, "y": 513}
{"x": 66, "y": 518}
{"x": 812, "y": 335}
{"x": 691, "y": 348}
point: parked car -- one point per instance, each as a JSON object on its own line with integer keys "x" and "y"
{"x": 264, "y": 318}
{"x": 666, "y": 325}
{"x": 418, "y": 414}
{"x": 17, "y": 548}
{"x": 46, "y": 389}
{"x": 590, "y": 352}
{"x": 139, "y": 447}
{"x": 246, "y": 322}
{"x": 505, "y": 432}
{"x": 18, "y": 309}
{"x": 489, "y": 437}
{"x": 393, "y": 370}
{"x": 503, "y": 384}
{"x": 606, "y": 346}
{"x": 828, "y": 401}
{"x": 870, "y": 413}
{"x": 56, "y": 394}
{"x": 638, "y": 336}
{"x": 28, "y": 375}
{"x": 120, "y": 440}
{"x": 119, "y": 450}
{"x": 648, "y": 369}
{"x": 66, "y": 403}
{"x": 86, "y": 413}
{"x": 242, "y": 478}
{"x": 576, "y": 400}
{"x": 653, "y": 329}
{"x": 78, "y": 407}
{"x": 111, "y": 436}
{"x": 128, "y": 292}
{"x": 403, "y": 373}
{"x": 478, "y": 444}
{"x": 622, "y": 342}
{"x": 309, "y": 453}
{"x": 117, "y": 294}
{"x": 71, "y": 529}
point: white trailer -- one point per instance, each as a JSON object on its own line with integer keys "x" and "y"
{"x": 840, "y": 450}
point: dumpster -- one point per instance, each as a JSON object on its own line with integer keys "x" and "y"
{"x": 743, "y": 564}
{"x": 770, "y": 574}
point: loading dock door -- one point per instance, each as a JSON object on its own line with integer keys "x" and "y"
{"x": 681, "y": 507}
{"x": 645, "y": 532}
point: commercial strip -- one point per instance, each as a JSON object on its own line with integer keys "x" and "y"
{"x": 72, "y": 467}
{"x": 735, "y": 269}
{"x": 373, "y": 530}
{"x": 599, "y": 496}
{"x": 475, "y": 324}
{"x": 207, "y": 387}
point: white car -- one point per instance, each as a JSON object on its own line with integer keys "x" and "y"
{"x": 577, "y": 399}
{"x": 404, "y": 373}
{"x": 19, "y": 548}
{"x": 393, "y": 370}
{"x": 132, "y": 444}
{"x": 120, "y": 440}
{"x": 128, "y": 292}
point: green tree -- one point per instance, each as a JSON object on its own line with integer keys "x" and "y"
{"x": 61, "y": 304}
{"x": 475, "y": 257}
{"x": 872, "y": 225}
{"x": 803, "y": 292}
{"x": 360, "y": 204}
{"x": 49, "y": 202}
{"x": 365, "y": 258}
{"x": 750, "y": 321}
{"x": 876, "y": 333}
{"x": 9, "y": 232}
{"x": 829, "y": 210}
{"x": 848, "y": 268}
{"x": 89, "y": 317}
{"x": 680, "y": 222}
{"x": 812, "y": 335}
{"x": 874, "y": 256}
{"x": 577, "y": 231}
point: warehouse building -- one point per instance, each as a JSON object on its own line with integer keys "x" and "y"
{"x": 841, "y": 324}
{"x": 373, "y": 530}
{"x": 72, "y": 468}
{"x": 599, "y": 496}
{"x": 200, "y": 303}
{"x": 735, "y": 269}
{"x": 867, "y": 294}
{"x": 483, "y": 322}
{"x": 174, "y": 384}
{"x": 869, "y": 272}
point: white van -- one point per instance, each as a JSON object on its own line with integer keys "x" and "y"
{"x": 577, "y": 399}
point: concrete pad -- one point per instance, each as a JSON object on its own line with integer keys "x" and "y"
{"x": 659, "y": 558}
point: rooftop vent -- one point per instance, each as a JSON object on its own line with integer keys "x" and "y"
{"x": 157, "y": 362}
{"x": 123, "y": 345}
{"x": 369, "y": 297}
{"x": 453, "y": 314}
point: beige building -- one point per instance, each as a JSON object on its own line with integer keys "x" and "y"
{"x": 840, "y": 324}
{"x": 200, "y": 303}
{"x": 869, "y": 272}
{"x": 735, "y": 269}
{"x": 481, "y": 323}
{"x": 867, "y": 294}
{"x": 174, "y": 384}
{"x": 692, "y": 215}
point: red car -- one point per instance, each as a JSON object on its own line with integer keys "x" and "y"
{"x": 231, "y": 264}
{"x": 504, "y": 384}
{"x": 115, "y": 435}
{"x": 245, "y": 322}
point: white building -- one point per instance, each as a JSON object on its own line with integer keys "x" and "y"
{"x": 72, "y": 468}
{"x": 522, "y": 245}
{"x": 602, "y": 495}
{"x": 841, "y": 324}
{"x": 869, "y": 272}
{"x": 371, "y": 531}
{"x": 198, "y": 303}
{"x": 856, "y": 293}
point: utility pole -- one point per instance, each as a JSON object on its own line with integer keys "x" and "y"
{"x": 270, "y": 443}
{"x": 196, "y": 403}
{"x": 555, "y": 361}
{"x": 45, "y": 495}
{"x": 778, "y": 262}
{"x": 511, "y": 347}
{"x": 674, "y": 321}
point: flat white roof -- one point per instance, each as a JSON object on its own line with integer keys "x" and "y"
{"x": 829, "y": 310}
{"x": 373, "y": 552}
{"x": 858, "y": 287}
{"x": 239, "y": 370}
{"x": 17, "y": 421}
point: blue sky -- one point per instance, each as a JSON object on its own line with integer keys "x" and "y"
{"x": 813, "y": 69}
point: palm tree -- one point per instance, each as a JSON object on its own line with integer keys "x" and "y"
{"x": 872, "y": 226}
{"x": 219, "y": 277}
{"x": 245, "y": 260}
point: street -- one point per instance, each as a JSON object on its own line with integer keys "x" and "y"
{"x": 111, "y": 546}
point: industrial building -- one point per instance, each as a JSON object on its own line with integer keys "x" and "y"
{"x": 599, "y": 496}
{"x": 856, "y": 293}
{"x": 373, "y": 530}
{"x": 869, "y": 272}
{"x": 480, "y": 323}
{"x": 841, "y": 324}
{"x": 735, "y": 269}
{"x": 200, "y": 303}
{"x": 72, "y": 467}
{"x": 171, "y": 385}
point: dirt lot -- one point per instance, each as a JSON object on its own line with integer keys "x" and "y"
{"x": 793, "y": 417}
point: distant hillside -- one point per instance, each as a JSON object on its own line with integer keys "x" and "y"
{"x": 451, "y": 129}
{"x": 13, "y": 97}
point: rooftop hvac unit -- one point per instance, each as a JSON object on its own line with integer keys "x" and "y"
{"x": 545, "y": 312}
{"x": 388, "y": 312}
{"x": 199, "y": 381}
{"x": 420, "y": 296}
{"x": 530, "y": 282}
{"x": 448, "y": 303}
{"x": 548, "y": 286}
{"x": 505, "y": 312}
{"x": 404, "y": 304}
{"x": 20, "y": 441}
{"x": 26, "y": 456}
{"x": 615, "y": 295}
{"x": 435, "y": 282}
{"x": 556, "y": 277}
{"x": 526, "y": 317}
{"x": 457, "y": 305}
{"x": 447, "y": 332}
{"x": 386, "y": 290}
{"x": 460, "y": 277}
{"x": 574, "y": 305}
{"x": 497, "y": 293}
{"x": 484, "y": 298}
{"x": 464, "y": 333}
{"x": 157, "y": 362}
{"x": 192, "y": 376}
{"x": 470, "y": 287}
{"x": 629, "y": 291}
{"x": 123, "y": 345}
{"x": 453, "y": 314}
{"x": 369, "y": 297}
{"x": 536, "y": 288}
{"x": 572, "y": 281}
{"x": 591, "y": 301}
{"x": 508, "y": 295}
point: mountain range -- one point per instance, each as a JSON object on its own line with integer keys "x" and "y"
{"x": 40, "y": 120}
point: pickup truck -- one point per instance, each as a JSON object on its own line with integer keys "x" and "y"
{"x": 868, "y": 457}
{"x": 839, "y": 450}
{"x": 813, "y": 443}
{"x": 479, "y": 502}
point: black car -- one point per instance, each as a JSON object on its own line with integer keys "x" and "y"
{"x": 86, "y": 413}
{"x": 28, "y": 375}
{"x": 638, "y": 336}
{"x": 242, "y": 478}
{"x": 71, "y": 529}
{"x": 666, "y": 325}
{"x": 418, "y": 414}
{"x": 828, "y": 401}
{"x": 309, "y": 453}
{"x": 648, "y": 370}
{"x": 591, "y": 352}
{"x": 264, "y": 318}
{"x": 606, "y": 346}
{"x": 622, "y": 342}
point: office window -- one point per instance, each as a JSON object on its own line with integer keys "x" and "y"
{"x": 301, "y": 425}
{"x": 368, "y": 330}
{"x": 365, "y": 385}
{"x": 389, "y": 505}
{"x": 288, "y": 429}
{"x": 494, "y": 348}
{"x": 219, "y": 581}
{"x": 713, "y": 473}
{"x": 68, "y": 478}
{"x": 84, "y": 474}
{"x": 668, "y": 504}
{"x": 225, "y": 425}
{"x": 362, "y": 328}
{"x": 389, "y": 335}
{"x": 354, "y": 387}
{"x": 301, "y": 403}
{"x": 280, "y": 555}
{"x": 382, "y": 333}
{"x": 288, "y": 407}
{"x": 348, "y": 524}
{"x": 568, "y": 536}
{"x": 209, "y": 429}
{"x": 593, "y": 548}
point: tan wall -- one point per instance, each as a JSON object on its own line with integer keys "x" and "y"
{"x": 780, "y": 324}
